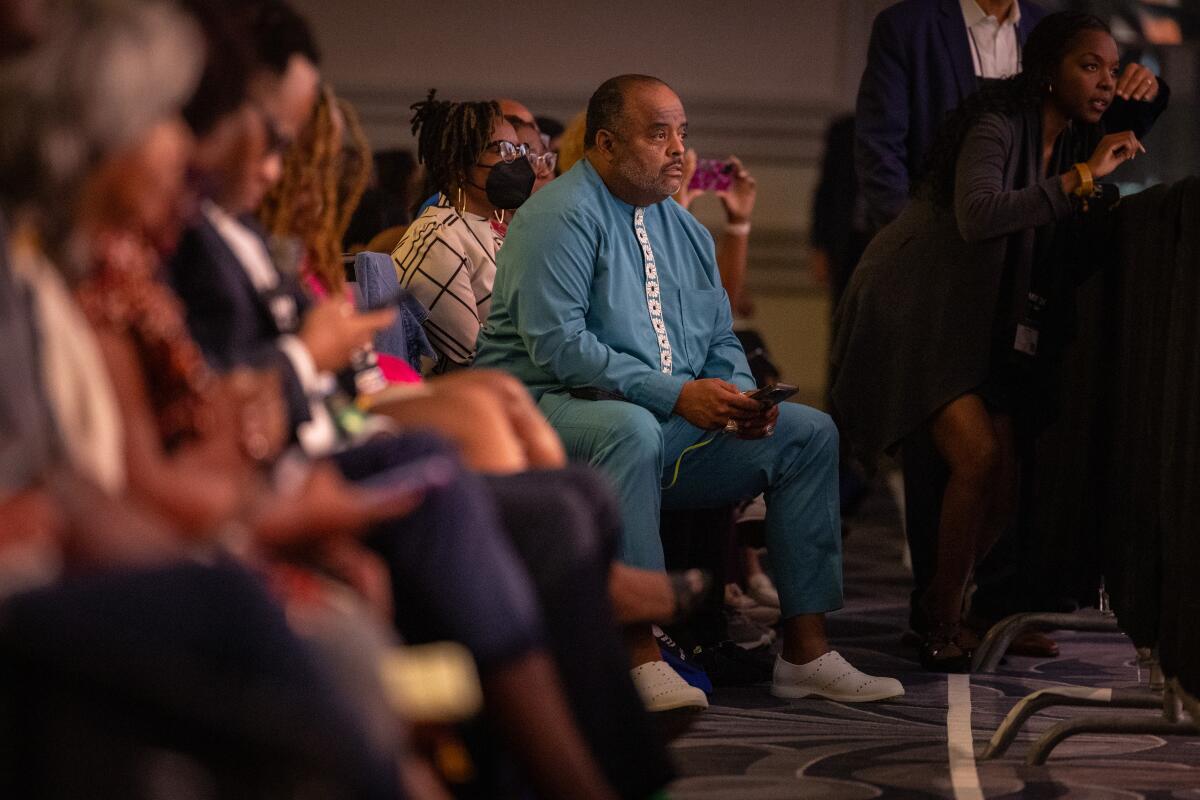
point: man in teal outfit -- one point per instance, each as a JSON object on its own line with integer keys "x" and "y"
{"x": 609, "y": 306}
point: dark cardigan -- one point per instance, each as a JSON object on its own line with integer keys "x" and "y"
{"x": 916, "y": 326}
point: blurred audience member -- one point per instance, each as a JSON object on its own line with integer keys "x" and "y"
{"x": 108, "y": 81}
{"x": 570, "y": 144}
{"x": 552, "y": 131}
{"x": 542, "y": 160}
{"x": 837, "y": 237}
{"x": 733, "y": 243}
{"x": 324, "y": 174}
{"x": 387, "y": 205}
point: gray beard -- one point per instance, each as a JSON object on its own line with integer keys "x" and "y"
{"x": 652, "y": 184}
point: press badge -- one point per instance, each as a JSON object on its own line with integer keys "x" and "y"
{"x": 1026, "y": 339}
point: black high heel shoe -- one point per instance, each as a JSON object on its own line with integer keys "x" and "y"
{"x": 945, "y": 649}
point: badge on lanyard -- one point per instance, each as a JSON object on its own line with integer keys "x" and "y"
{"x": 1026, "y": 340}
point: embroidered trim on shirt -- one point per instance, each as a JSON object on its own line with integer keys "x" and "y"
{"x": 653, "y": 294}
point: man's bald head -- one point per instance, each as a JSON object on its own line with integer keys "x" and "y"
{"x": 606, "y": 108}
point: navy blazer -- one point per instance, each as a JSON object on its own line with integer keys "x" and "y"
{"x": 231, "y": 321}
{"x": 919, "y": 68}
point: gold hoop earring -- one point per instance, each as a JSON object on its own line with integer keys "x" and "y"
{"x": 461, "y": 203}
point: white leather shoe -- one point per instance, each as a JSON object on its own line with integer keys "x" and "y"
{"x": 662, "y": 689}
{"x": 831, "y": 677}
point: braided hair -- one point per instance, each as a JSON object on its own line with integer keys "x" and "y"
{"x": 1042, "y": 54}
{"x": 451, "y": 137}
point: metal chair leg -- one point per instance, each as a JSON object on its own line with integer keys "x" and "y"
{"x": 1040, "y": 750}
{"x": 995, "y": 644}
{"x": 1031, "y": 704}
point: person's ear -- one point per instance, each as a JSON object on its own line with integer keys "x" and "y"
{"x": 606, "y": 144}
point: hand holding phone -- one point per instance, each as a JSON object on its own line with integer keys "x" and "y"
{"x": 772, "y": 394}
{"x": 711, "y": 175}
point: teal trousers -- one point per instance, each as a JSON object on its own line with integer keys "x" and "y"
{"x": 796, "y": 470}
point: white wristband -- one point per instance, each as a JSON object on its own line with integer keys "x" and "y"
{"x": 738, "y": 228}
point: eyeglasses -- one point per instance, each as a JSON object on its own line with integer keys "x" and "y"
{"x": 507, "y": 150}
{"x": 543, "y": 163}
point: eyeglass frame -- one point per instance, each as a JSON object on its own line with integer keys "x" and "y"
{"x": 547, "y": 161}
{"x": 513, "y": 150}
{"x": 507, "y": 154}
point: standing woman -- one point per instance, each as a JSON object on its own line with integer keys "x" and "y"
{"x": 447, "y": 258}
{"x": 950, "y": 325}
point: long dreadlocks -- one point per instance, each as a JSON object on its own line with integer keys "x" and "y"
{"x": 451, "y": 137}
{"x": 1047, "y": 46}
{"x": 324, "y": 174}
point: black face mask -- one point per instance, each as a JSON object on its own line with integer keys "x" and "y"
{"x": 509, "y": 185}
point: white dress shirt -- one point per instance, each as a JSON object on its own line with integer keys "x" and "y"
{"x": 318, "y": 436}
{"x": 995, "y": 49}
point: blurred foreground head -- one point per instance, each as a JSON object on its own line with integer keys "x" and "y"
{"x": 102, "y": 76}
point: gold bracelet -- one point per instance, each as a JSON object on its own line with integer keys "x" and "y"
{"x": 1087, "y": 186}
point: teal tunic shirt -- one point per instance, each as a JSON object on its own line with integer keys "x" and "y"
{"x": 569, "y": 303}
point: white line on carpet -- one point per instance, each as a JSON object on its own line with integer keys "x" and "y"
{"x": 960, "y": 740}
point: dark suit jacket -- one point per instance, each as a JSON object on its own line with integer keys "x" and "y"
{"x": 919, "y": 68}
{"x": 231, "y": 321}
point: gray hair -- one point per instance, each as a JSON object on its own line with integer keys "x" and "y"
{"x": 104, "y": 74}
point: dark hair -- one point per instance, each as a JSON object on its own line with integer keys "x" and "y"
{"x": 607, "y": 104}
{"x": 228, "y": 65}
{"x": 394, "y": 169}
{"x": 549, "y": 126}
{"x": 1042, "y": 54}
{"x": 386, "y": 204}
{"x": 451, "y": 137}
{"x": 280, "y": 33}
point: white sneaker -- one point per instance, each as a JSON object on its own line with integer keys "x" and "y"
{"x": 832, "y": 677}
{"x": 662, "y": 689}
{"x": 762, "y": 590}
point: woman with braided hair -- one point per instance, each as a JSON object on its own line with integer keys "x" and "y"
{"x": 950, "y": 332}
{"x": 447, "y": 258}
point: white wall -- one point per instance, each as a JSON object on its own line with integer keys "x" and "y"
{"x": 760, "y": 79}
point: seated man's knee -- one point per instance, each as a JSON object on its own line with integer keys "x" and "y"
{"x": 809, "y": 427}
{"x": 636, "y": 428}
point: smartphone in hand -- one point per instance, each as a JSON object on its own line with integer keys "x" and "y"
{"x": 711, "y": 175}
{"x": 772, "y": 394}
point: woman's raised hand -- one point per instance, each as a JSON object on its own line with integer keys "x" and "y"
{"x": 1114, "y": 150}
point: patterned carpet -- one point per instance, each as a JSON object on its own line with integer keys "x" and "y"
{"x": 753, "y": 746}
